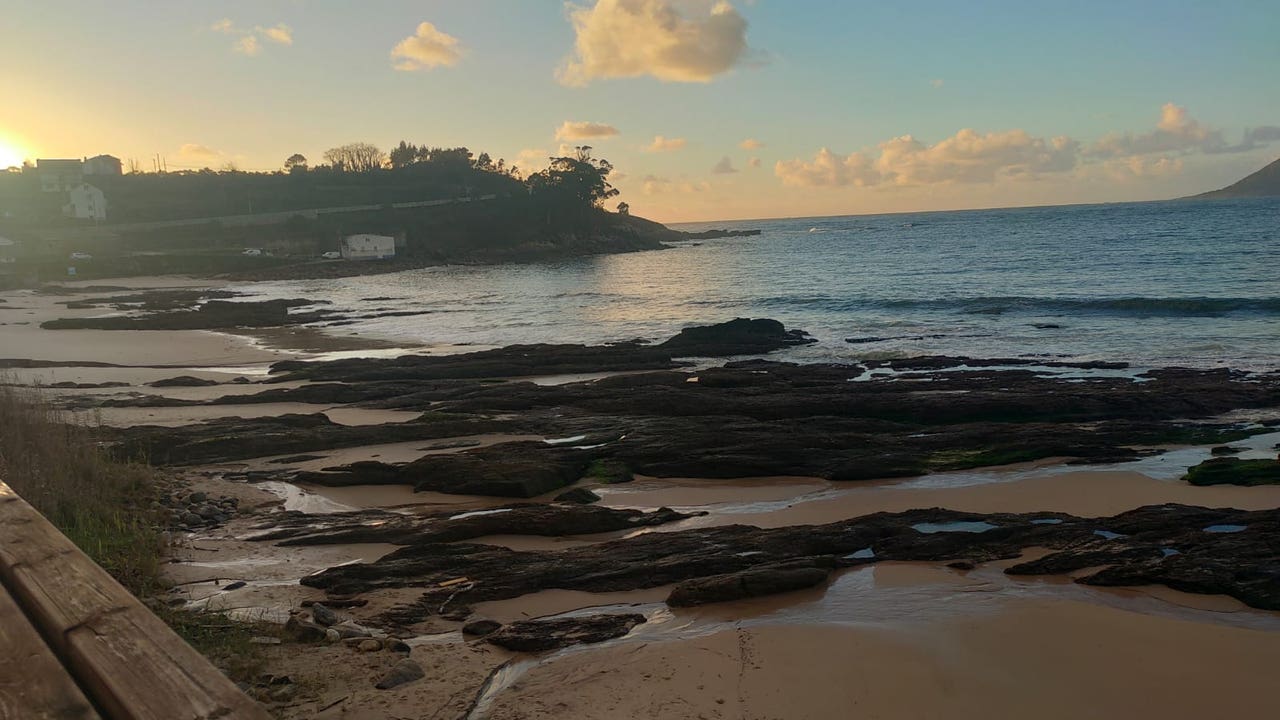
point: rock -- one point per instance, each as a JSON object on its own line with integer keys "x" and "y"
{"x": 755, "y": 582}
{"x": 332, "y": 635}
{"x": 183, "y": 381}
{"x": 405, "y": 671}
{"x": 1226, "y": 450}
{"x": 324, "y": 615}
{"x": 555, "y": 633}
{"x": 740, "y": 336}
{"x": 578, "y": 495}
{"x": 191, "y": 519}
{"x": 234, "y": 585}
{"x": 1234, "y": 471}
{"x": 350, "y": 630}
{"x": 480, "y": 628}
{"x": 369, "y": 645}
{"x": 207, "y": 511}
{"x": 282, "y": 693}
{"x": 962, "y": 565}
{"x": 399, "y": 646}
{"x": 197, "y": 498}
{"x": 211, "y": 315}
{"x": 263, "y": 640}
{"x": 305, "y": 630}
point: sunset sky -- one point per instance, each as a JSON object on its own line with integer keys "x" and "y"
{"x": 709, "y": 110}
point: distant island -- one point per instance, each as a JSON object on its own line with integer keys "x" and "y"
{"x": 1264, "y": 183}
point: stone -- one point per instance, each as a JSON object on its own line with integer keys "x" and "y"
{"x": 405, "y": 671}
{"x": 305, "y": 630}
{"x": 191, "y": 519}
{"x": 264, "y": 640}
{"x": 197, "y": 498}
{"x": 183, "y": 381}
{"x": 555, "y": 633}
{"x": 480, "y": 628}
{"x": 333, "y": 636}
{"x": 754, "y": 582}
{"x": 324, "y": 615}
{"x": 579, "y": 495}
{"x": 369, "y": 645}
{"x": 1234, "y": 471}
{"x": 282, "y": 693}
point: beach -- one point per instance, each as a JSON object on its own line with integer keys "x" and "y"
{"x": 889, "y": 638}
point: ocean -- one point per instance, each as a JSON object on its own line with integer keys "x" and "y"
{"x": 1192, "y": 283}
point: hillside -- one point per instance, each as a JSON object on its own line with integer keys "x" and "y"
{"x": 1264, "y": 183}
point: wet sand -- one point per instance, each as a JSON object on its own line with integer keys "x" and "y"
{"x": 1035, "y": 658}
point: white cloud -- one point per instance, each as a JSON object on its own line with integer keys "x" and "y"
{"x": 633, "y": 38}
{"x": 657, "y": 185}
{"x": 753, "y": 162}
{"x": 1138, "y": 166}
{"x": 532, "y": 160}
{"x": 249, "y": 41}
{"x": 653, "y": 185}
{"x": 724, "y": 167}
{"x": 828, "y": 169}
{"x": 200, "y": 154}
{"x": 427, "y": 48}
{"x": 583, "y": 130}
{"x": 966, "y": 157}
{"x": 751, "y": 144}
{"x": 937, "y": 83}
{"x": 1176, "y": 132}
{"x": 665, "y": 144}
{"x": 247, "y": 45}
{"x": 280, "y": 33}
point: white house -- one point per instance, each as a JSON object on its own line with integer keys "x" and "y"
{"x": 103, "y": 165}
{"x": 368, "y": 247}
{"x": 86, "y": 202}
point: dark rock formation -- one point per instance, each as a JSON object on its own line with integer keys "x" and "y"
{"x": 578, "y": 496}
{"x": 480, "y": 628}
{"x": 740, "y": 336}
{"x": 1194, "y": 549}
{"x": 1234, "y": 471}
{"x": 183, "y": 381}
{"x": 556, "y": 633}
{"x": 403, "y": 672}
{"x": 212, "y": 315}
{"x": 757, "y": 581}
{"x": 380, "y": 526}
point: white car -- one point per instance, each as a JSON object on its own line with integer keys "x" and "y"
{"x": 81, "y": 256}
{"x": 251, "y": 251}
{"x": 332, "y": 255}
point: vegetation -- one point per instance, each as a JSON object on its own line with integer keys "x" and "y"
{"x": 108, "y": 509}
{"x": 610, "y": 472}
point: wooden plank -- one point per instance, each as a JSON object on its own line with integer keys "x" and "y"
{"x": 33, "y": 683}
{"x": 125, "y": 658}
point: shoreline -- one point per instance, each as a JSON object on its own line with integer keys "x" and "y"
{"x": 922, "y": 638}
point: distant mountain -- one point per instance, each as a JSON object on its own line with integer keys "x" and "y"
{"x": 1264, "y": 183}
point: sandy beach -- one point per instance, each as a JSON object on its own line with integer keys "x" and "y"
{"x": 892, "y": 640}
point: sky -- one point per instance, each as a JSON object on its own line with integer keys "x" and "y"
{"x": 708, "y": 109}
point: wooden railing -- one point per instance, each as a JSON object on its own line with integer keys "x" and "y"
{"x": 74, "y": 644}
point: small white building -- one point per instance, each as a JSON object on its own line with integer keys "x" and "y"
{"x": 103, "y": 165}
{"x": 85, "y": 202}
{"x": 368, "y": 247}
{"x": 8, "y": 251}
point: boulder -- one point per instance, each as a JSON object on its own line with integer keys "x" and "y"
{"x": 405, "y": 671}
{"x": 556, "y": 633}
{"x": 578, "y": 496}
{"x": 755, "y": 582}
{"x": 740, "y": 336}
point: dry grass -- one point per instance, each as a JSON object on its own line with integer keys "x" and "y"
{"x": 104, "y": 506}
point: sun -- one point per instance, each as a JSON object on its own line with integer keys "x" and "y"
{"x": 10, "y": 156}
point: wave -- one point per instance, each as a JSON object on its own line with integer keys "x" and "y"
{"x": 1136, "y": 306}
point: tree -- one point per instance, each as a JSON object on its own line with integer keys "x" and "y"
{"x": 355, "y": 157}
{"x": 295, "y": 163}
{"x": 484, "y": 162}
{"x": 624, "y": 208}
{"x": 579, "y": 177}
{"x": 405, "y": 154}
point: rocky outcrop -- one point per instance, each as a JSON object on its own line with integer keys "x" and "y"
{"x": 740, "y": 336}
{"x": 556, "y": 633}
{"x": 1194, "y": 549}
{"x": 380, "y": 526}
{"x": 212, "y": 315}
{"x": 1235, "y": 471}
{"x": 754, "y": 582}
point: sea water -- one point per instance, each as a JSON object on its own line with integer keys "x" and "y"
{"x": 1194, "y": 283}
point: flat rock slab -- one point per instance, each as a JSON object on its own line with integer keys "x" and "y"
{"x": 556, "y": 633}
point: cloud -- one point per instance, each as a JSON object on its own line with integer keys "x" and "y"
{"x": 665, "y": 144}
{"x": 828, "y": 169}
{"x": 1138, "y": 166}
{"x": 634, "y": 38}
{"x": 281, "y": 34}
{"x": 724, "y": 167}
{"x": 583, "y": 130}
{"x": 249, "y": 41}
{"x": 751, "y": 144}
{"x": 1176, "y": 132}
{"x": 937, "y": 83}
{"x": 247, "y": 45}
{"x": 657, "y": 185}
{"x": 427, "y": 48}
{"x": 197, "y": 153}
{"x": 966, "y": 157}
{"x": 753, "y": 162}
{"x": 532, "y": 160}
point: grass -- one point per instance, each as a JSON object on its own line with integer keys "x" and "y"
{"x": 608, "y": 471}
{"x": 108, "y": 508}
{"x": 1234, "y": 471}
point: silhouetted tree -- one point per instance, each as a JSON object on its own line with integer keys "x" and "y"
{"x": 624, "y": 208}
{"x": 355, "y": 157}
{"x": 405, "y": 154}
{"x": 295, "y": 163}
{"x": 572, "y": 187}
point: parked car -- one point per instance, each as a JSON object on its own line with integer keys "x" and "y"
{"x": 81, "y": 256}
{"x": 252, "y": 251}
{"x": 332, "y": 255}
